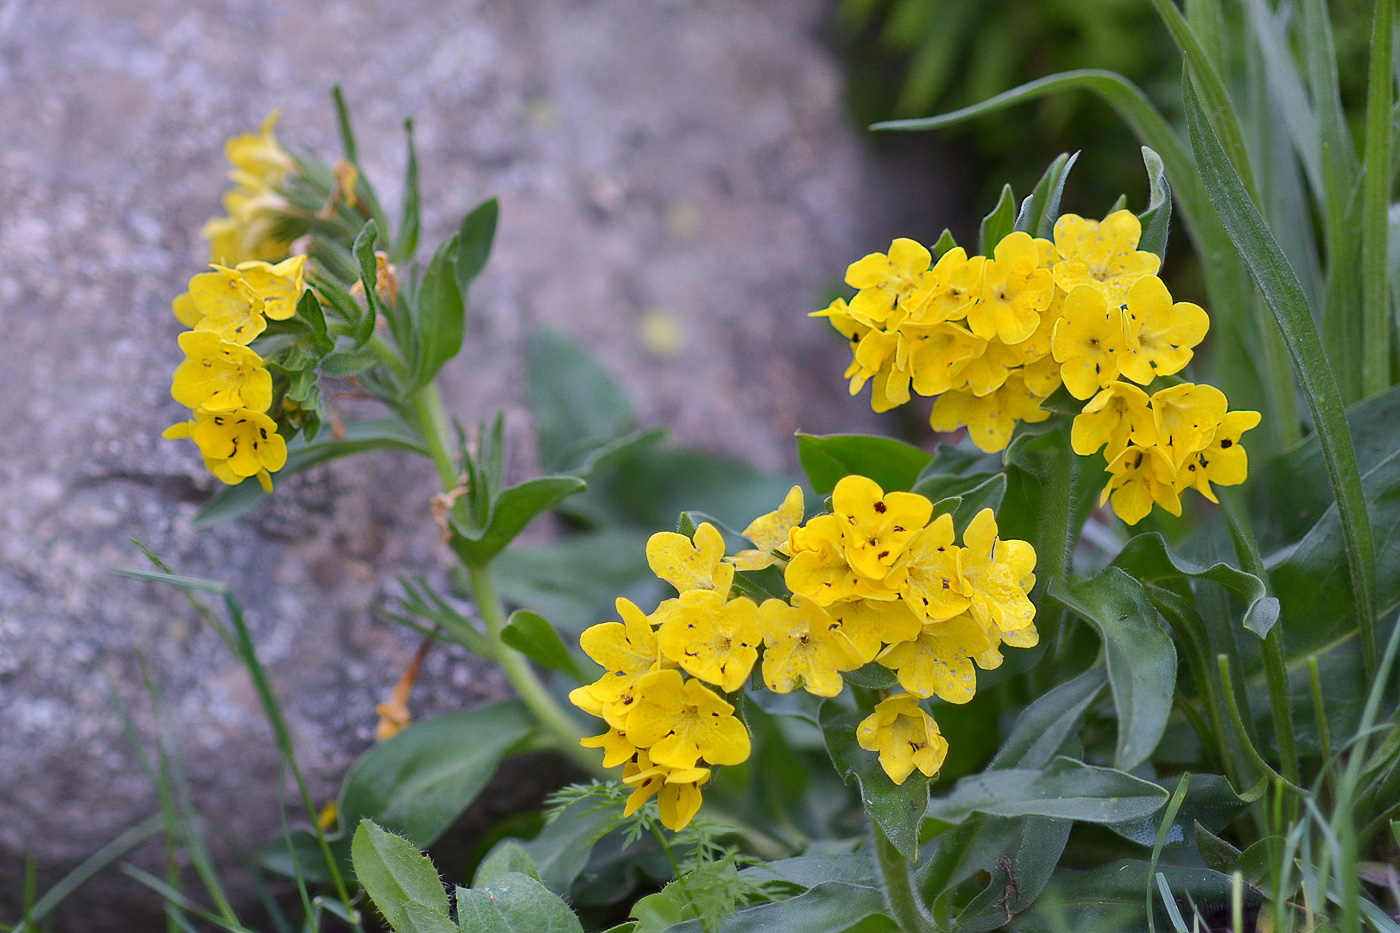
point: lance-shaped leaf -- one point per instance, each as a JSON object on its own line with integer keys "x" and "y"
{"x": 531, "y": 634}
{"x": 893, "y": 464}
{"x": 1068, "y": 790}
{"x": 1141, "y": 657}
{"x": 1000, "y": 222}
{"x": 511, "y": 511}
{"x": 1147, "y": 557}
{"x": 897, "y": 808}
{"x": 440, "y": 320}
{"x": 1157, "y": 219}
{"x": 514, "y": 903}
{"x": 1041, "y": 208}
{"x": 398, "y": 878}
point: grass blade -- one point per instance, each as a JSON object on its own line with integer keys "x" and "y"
{"x": 1375, "y": 207}
{"x": 1285, "y": 299}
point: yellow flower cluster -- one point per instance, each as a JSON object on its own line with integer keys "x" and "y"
{"x": 254, "y": 205}
{"x": 993, "y": 337}
{"x": 223, "y": 381}
{"x": 876, "y": 580}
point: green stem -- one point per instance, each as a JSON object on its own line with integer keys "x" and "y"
{"x": 552, "y": 717}
{"x": 1375, "y": 207}
{"x": 1275, "y": 674}
{"x": 432, "y": 422}
{"x": 899, "y": 886}
{"x": 1237, "y": 721}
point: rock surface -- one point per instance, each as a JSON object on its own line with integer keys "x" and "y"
{"x": 676, "y": 164}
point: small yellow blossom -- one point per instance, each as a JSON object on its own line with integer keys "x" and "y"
{"x": 616, "y": 749}
{"x": 871, "y": 624}
{"x": 1102, "y": 254}
{"x": 819, "y": 568}
{"x": 251, "y": 229}
{"x": 688, "y": 564}
{"x": 1163, "y": 333}
{"x": 1118, "y": 416}
{"x": 227, "y": 305}
{"x": 1088, "y": 341}
{"x": 939, "y": 662}
{"x": 875, "y": 526}
{"x": 682, "y": 721}
{"x": 770, "y": 532}
{"x": 1186, "y": 416}
{"x": 931, "y": 569}
{"x": 219, "y": 376}
{"x": 806, "y": 648}
{"x": 627, "y": 651}
{"x": 279, "y": 286}
{"x": 185, "y": 310}
{"x": 236, "y": 444}
{"x": 906, "y": 737}
{"x": 1223, "y": 461}
{"x": 984, "y": 374}
{"x": 990, "y": 418}
{"x": 677, "y": 790}
{"x": 1015, "y": 291}
{"x": 891, "y": 285}
{"x": 1141, "y": 476}
{"x": 714, "y": 640}
{"x": 259, "y": 155}
{"x": 937, "y": 358}
{"x": 1000, "y": 574}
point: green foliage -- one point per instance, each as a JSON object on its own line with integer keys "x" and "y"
{"x": 893, "y": 464}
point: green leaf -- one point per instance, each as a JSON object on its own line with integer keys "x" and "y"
{"x": 407, "y": 244}
{"x": 348, "y": 362}
{"x": 514, "y": 903}
{"x": 808, "y": 871}
{"x": 512, "y": 510}
{"x": 577, "y": 405}
{"x": 562, "y": 848}
{"x": 309, "y": 310}
{"x": 397, "y": 876}
{"x": 420, "y": 781}
{"x": 441, "y": 315}
{"x": 369, "y": 279}
{"x": 1141, "y": 657}
{"x": 897, "y": 808}
{"x": 474, "y": 240}
{"x": 384, "y": 433}
{"x": 1000, "y": 222}
{"x": 506, "y": 856}
{"x": 965, "y": 496}
{"x": 1017, "y": 870}
{"x": 944, "y": 243}
{"x": 531, "y": 634}
{"x": 872, "y": 677}
{"x": 893, "y": 464}
{"x": 1044, "y": 725}
{"x": 1147, "y": 558}
{"x": 1066, "y": 790}
{"x": 1157, "y": 219}
{"x": 1209, "y": 802}
{"x": 1377, "y": 181}
{"x": 829, "y": 907}
{"x": 1041, "y": 208}
{"x": 347, "y": 133}
{"x": 1110, "y": 897}
{"x": 1285, "y": 299}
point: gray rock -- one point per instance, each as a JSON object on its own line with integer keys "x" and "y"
{"x": 680, "y": 162}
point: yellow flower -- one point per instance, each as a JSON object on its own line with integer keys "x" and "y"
{"x": 1186, "y": 416}
{"x": 1104, "y": 255}
{"x": 871, "y": 624}
{"x": 931, "y": 569}
{"x": 990, "y": 418}
{"x": 616, "y": 749}
{"x": 875, "y": 526}
{"x": 770, "y": 533}
{"x": 691, "y": 566}
{"x": 186, "y": 311}
{"x": 279, "y": 286}
{"x": 236, "y": 444}
{"x": 252, "y": 229}
{"x": 805, "y": 648}
{"x": 819, "y": 569}
{"x": 219, "y": 376}
{"x": 987, "y": 372}
{"x": 1118, "y": 416}
{"x": 627, "y": 651}
{"x": 938, "y": 357}
{"x": 958, "y": 282}
{"x": 1141, "y": 476}
{"x": 711, "y": 639}
{"x": 905, "y": 736}
{"x": 891, "y": 286}
{"x": 259, "y": 155}
{"x": 1042, "y": 376}
{"x": 227, "y": 305}
{"x": 1164, "y": 334}
{"x": 1088, "y": 340}
{"x": 939, "y": 662}
{"x": 1015, "y": 291}
{"x": 677, "y": 790}
{"x": 1000, "y": 574}
{"x": 681, "y": 721}
{"x": 1223, "y": 462}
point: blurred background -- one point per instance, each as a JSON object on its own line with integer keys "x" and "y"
{"x": 680, "y": 182}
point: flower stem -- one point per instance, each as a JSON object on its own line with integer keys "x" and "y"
{"x": 552, "y": 718}
{"x": 899, "y": 887}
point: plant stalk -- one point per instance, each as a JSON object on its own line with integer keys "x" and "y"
{"x": 899, "y": 886}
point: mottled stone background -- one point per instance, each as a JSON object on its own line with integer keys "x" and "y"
{"x": 686, "y": 160}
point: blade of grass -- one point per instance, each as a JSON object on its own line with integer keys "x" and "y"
{"x": 1284, "y": 297}
{"x": 1376, "y": 185}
